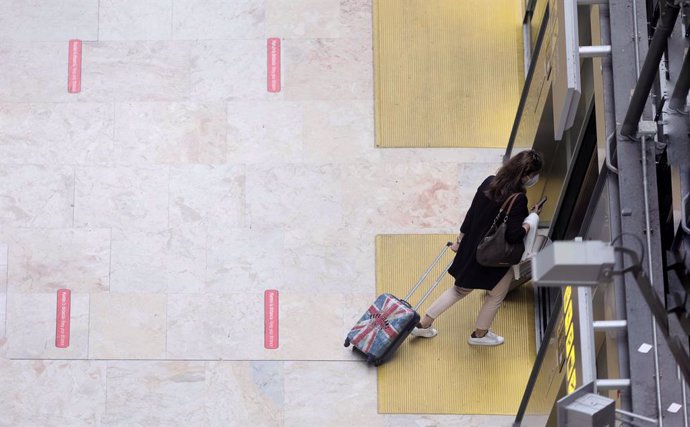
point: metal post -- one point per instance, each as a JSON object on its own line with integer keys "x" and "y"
{"x": 612, "y": 384}
{"x": 594, "y": 51}
{"x": 676, "y": 128}
{"x": 680, "y": 91}
{"x": 587, "y": 348}
{"x": 624, "y": 59}
{"x": 526, "y": 44}
{"x": 614, "y": 203}
{"x": 635, "y": 416}
{"x": 610, "y": 325}
{"x": 648, "y": 229}
{"x": 650, "y": 67}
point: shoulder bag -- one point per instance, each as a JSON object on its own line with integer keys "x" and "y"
{"x": 493, "y": 249}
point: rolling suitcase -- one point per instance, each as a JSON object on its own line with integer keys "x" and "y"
{"x": 389, "y": 320}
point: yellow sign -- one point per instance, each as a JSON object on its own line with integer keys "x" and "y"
{"x": 571, "y": 373}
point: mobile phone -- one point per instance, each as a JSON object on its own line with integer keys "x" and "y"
{"x": 541, "y": 202}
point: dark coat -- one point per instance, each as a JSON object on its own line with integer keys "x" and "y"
{"x": 467, "y": 272}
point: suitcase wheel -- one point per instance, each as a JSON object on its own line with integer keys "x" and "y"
{"x": 347, "y": 342}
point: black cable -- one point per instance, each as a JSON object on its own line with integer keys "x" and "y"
{"x": 637, "y": 265}
{"x": 642, "y": 251}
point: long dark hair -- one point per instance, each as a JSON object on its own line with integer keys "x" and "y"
{"x": 508, "y": 179}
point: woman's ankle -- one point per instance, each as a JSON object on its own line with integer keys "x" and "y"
{"x": 426, "y": 322}
{"x": 479, "y": 333}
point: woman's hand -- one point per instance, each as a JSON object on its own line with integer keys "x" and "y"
{"x": 454, "y": 247}
{"x": 526, "y": 227}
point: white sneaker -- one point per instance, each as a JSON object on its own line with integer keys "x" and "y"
{"x": 489, "y": 339}
{"x": 424, "y": 332}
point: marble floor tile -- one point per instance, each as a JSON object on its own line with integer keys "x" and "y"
{"x": 327, "y": 260}
{"x": 221, "y": 204}
{"x": 52, "y": 393}
{"x": 313, "y": 326}
{"x": 56, "y": 134}
{"x": 3, "y": 254}
{"x": 31, "y": 327}
{"x": 228, "y": 70}
{"x": 3, "y": 317}
{"x": 135, "y": 20}
{"x": 313, "y": 19}
{"x": 36, "y": 196}
{"x": 218, "y": 19}
{"x": 293, "y": 19}
{"x": 244, "y": 259}
{"x": 138, "y": 261}
{"x": 356, "y": 18}
{"x": 168, "y": 261}
{"x": 135, "y": 71}
{"x": 405, "y": 197}
{"x": 3, "y": 267}
{"x": 34, "y": 72}
{"x": 170, "y": 133}
{"x": 471, "y": 177}
{"x": 186, "y": 263}
{"x": 209, "y": 191}
{"x": 265, "y": 131}
{"x": 156, "y": 394}
{"x": 127, "y": 326}
{"x": 212, "y": 327}
{"x": 44, "y": 260}
{"x": 3, "y": 278}
{"x": 231, "y": 326}
{"x": 295, "y": 195}
{"x": 330, "y": 394}
{"x": 339, "y": 132}
{"x": 35, "y": 20}
{"x": 245, "y": 393}
{"x": 122, "y": 197}
{"x": 328, "y": 69}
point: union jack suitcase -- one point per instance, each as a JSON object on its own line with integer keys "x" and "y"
{"x": 388, "y": 321}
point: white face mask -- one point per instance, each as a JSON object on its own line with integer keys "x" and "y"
{"x": 530, "y": 182}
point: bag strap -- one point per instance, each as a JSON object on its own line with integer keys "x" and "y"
{"x": 512, "y": 198}
{"x": 508, "y": 202}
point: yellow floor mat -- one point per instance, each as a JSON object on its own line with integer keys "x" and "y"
{"x": 445, "y": 375}
{"x": 448, "y": 73}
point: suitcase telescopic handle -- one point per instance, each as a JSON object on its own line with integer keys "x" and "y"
{"x": 431, "y": 289}
{"x": 428, "y": 270}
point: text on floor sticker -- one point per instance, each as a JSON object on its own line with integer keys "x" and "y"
{"x": 271, "y": 319}
{"x": 62, "y": 319}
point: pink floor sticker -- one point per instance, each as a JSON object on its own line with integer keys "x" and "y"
{"x": 64, "y": 297}
{"x": 74, "y": 67}
{"x": 271, "y": 319}
{"x": 274, "y": 64}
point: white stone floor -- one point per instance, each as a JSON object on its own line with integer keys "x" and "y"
{"x": 174, "y": 189}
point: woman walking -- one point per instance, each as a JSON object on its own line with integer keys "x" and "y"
{"x": 519, "y": 173}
